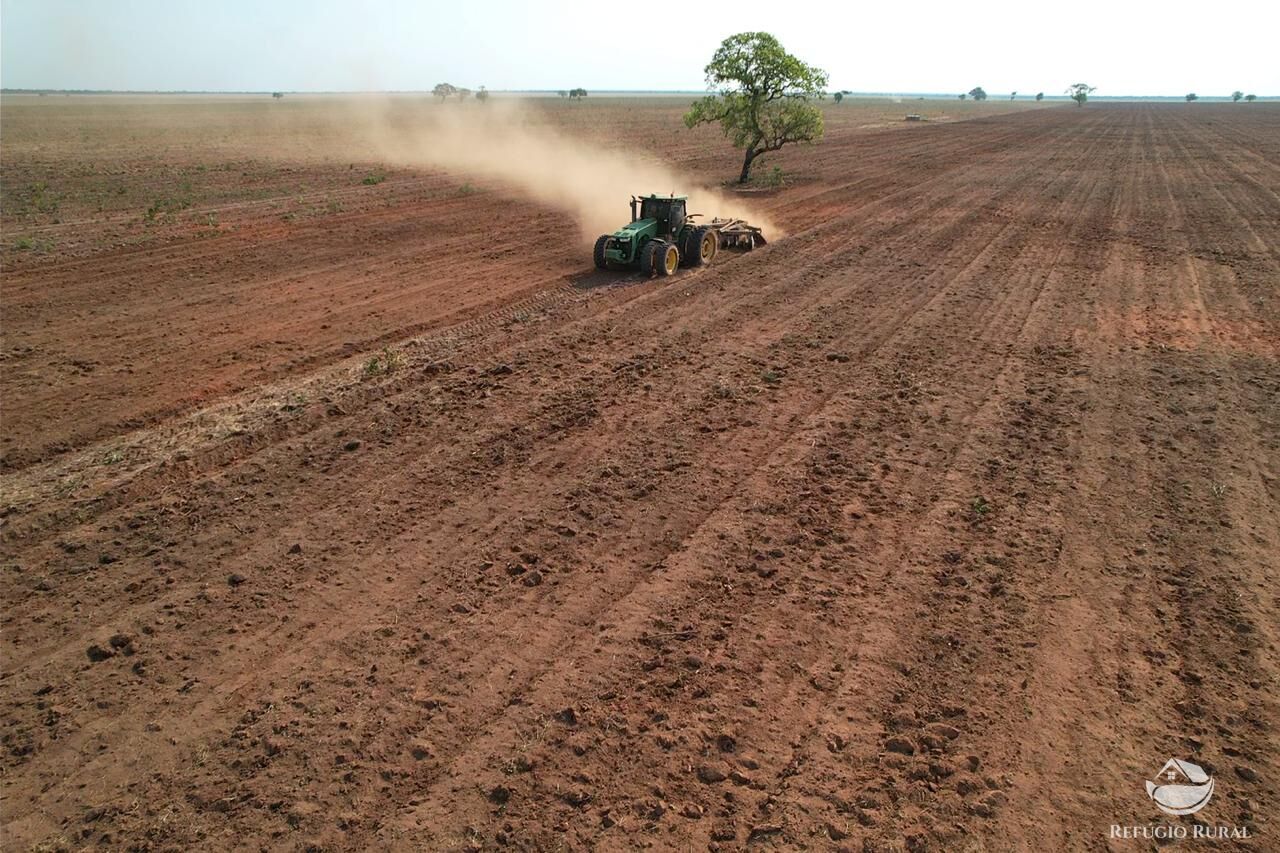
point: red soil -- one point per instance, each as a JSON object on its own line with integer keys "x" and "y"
{"x": 945, "y": 519}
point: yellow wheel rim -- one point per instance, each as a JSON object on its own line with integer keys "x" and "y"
{"x": 672, "y": 259}
{"x": 708, "y": 247}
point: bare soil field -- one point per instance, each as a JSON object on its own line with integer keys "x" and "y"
{"x": 346, "y": 506}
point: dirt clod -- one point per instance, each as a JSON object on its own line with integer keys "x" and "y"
{"x": 711, "y": 774}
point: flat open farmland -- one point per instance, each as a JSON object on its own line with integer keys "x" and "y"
{"x": 345, "y": 505}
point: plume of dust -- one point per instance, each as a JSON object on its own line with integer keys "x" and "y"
{"x": 501, "y": 141}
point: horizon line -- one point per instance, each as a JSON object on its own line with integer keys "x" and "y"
{"x": 28, "y": 90}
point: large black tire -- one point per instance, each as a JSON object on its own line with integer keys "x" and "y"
{"x": 686, "y": 241}
{"x": 601, "y": 263}
{"x": 648, "y": 257}
{"x": 659, "y": 257}
{"x": 701, "y": 246}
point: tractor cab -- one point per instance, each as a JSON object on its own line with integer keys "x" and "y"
{"x": 668, "y": 211}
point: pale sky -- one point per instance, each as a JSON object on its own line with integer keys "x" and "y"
{"x": 1123, "y": 48}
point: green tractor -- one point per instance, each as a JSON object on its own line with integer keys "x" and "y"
{"x": 662, "y": 237}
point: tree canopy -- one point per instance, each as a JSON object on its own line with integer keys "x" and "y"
{"x": 1251, "y": 98}
{"x": 1237, "y": 95}
{"x": 1192, "y": 96}
{"x": 1079, "y": 92}
{"x": 978, "y": 93}
{"x": 763, "y": 96}
{"x": 443, "y": 90}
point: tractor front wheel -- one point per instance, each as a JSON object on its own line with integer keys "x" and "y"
{"x": 649, "y": 258}
{"x": 667, "y": 259}
{"x": 601, "y": 263}
{"x": 659, "y": 256}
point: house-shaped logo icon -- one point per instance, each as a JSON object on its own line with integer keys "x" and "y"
{"x": 1182, "y": 787}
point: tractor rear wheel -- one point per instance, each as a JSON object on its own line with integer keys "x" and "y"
{"x": 701, "y": 247}
{"x": 601, "y": 263}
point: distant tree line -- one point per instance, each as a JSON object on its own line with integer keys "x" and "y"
{"x": 444, "y": 91}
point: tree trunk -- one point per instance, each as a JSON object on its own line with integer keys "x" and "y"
{"x": 746, "y": 165}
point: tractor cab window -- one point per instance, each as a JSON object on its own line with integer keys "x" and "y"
{"x": 675, "y": 219}
{"x": 651, "y": 208}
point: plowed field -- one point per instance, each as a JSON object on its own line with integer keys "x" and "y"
{"x": 367, "y": 516}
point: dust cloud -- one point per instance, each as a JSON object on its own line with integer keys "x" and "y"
{"x": 507, "y": 143}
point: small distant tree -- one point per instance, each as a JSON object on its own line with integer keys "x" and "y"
{"x": 1192, "y": 96}
{"x": 279, "y": 95}
{"x": 763, "y": 97}
{"x": 978, "y": 93}
{"x": 443, "y": 90}
{"x": 1013, "y": 94}
{"x": 1039, "y": 96}
{"x": 1237, "y": 95}
{"x": 563, "y": 93}
{"x": 963, "y": 96}
{"x": 838, "y": 97}
{"x": 1079, "y": 92}
{"x": 482, "y": 95}
{"x": 577, "y": 93}
{"x": 1251, "y": 98}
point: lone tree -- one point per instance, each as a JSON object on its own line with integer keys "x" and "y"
{"x": 963, "y": 96}
{"x": 1237, "y": 95}
{"x": 1013, "y": 94}
{"x": 563, "y": 93}
{"x": 1192, "y": 96}
{"x": 443, "y": 90}
{"x": 1079, "y": 92}
{"x": 762, "y": 99}
{"x": 463, "y": 93}
{"x": 838, "y": 97}
{"x": 1251, "y": 98}
{"x": 279, "y": 95}
{"x": 482, "y": 95}
{"x": 577, "y": 93}
{"x": 1039, "y": 96}
{"x": 978, "y": 93}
